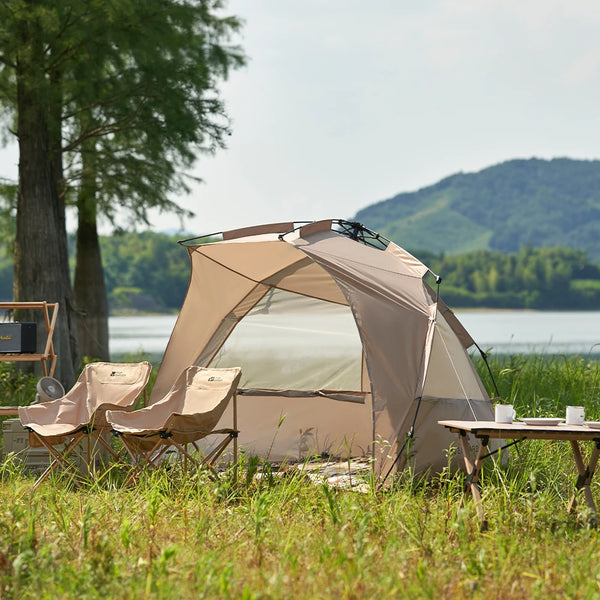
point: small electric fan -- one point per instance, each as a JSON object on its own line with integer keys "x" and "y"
{"x": 48, "y": 388}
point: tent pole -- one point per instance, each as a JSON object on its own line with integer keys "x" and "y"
{"x": 438, "y": 280}
{"x": 409, "y": 436}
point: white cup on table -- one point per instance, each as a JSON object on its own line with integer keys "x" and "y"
{"x": 575, "y": 415}
{"x": 504, "y": 413}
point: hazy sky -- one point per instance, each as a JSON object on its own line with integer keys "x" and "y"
{"x": 347, "y": 102}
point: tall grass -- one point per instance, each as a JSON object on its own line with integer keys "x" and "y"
{"x": 177, "y": 536}
{"x": 541, "y": 385}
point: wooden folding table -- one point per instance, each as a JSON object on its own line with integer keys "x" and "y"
{"x": 486, "y": 430}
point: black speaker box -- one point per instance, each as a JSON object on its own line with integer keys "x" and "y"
{"x": 18, "y": 337}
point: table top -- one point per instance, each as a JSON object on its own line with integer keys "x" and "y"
{"x": 517, "y": 429}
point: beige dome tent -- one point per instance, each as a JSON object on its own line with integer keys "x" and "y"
{"x": 343, "y": 347}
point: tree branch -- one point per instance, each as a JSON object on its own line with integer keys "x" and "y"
{"x": 7, "y": 62}
{"x": 102, "y": 130}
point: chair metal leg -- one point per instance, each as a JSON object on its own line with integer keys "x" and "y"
{"x": 151, "y": 458}
{"x": 57, "y": 458}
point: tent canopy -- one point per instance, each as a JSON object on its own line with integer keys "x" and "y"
{"x": 342, "y": 344}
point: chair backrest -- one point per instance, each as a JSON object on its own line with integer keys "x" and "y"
{"x": 196, "y": 401}
{"x": 205, "y": 395}
{"x": 115, "y": 383}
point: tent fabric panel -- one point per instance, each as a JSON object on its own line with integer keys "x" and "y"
{"x": 392, "y": 312}
{"x": 374, "y": 272}
{"x": 354, "y": 256}
{"x": 315, "y": 227}
{"x": 431, "y": 327}
{"x": 255, "y": 260}
{"x": 228, "y": 324}
{"x": 384, "y": 441}
{"x": 340, "y": 396}
{"x": 366, "y": 385}
{"x": 394, "y": 345}
{"x": 279, "y": 428}
{"x": 429, "y": 447}
{"x": 463, "y": 335}
{"x": 411, "y": 262}
{"x": 213, "y": 292}
{"x": 450, "y": 372}
{"x": 309, "y": 279}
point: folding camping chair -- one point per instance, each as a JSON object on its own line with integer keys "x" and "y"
{"x": 189, "y": 412}
{"x": 60, "y": 425}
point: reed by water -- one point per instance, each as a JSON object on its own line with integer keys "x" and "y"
{"x": 176, "y": 536}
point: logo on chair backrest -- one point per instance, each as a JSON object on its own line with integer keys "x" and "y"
{"x": 118, "y": 374}
{"x": 215, "y": 378}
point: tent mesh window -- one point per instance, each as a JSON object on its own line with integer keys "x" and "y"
{"x": 294, "y": 342}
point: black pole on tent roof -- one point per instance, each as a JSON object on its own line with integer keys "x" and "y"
{"x": 354, "y": 230}
{"x": 199, "y": 237}
{"x": 358, "y": 232}
{"x": 217, "y": 233}
{"x": 300, "y": 225}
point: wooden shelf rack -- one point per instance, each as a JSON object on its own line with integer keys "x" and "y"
{"x": 48, "y": 358}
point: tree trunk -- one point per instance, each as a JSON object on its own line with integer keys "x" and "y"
{"x": 41, "y": 268}
{"x": 59, "y": 194}
{"x": 90, "y": 288}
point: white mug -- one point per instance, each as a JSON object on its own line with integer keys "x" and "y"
{"x": 504, "y": 413}
{"x": 575, "y": 415}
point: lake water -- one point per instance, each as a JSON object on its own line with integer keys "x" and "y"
{"x": 531, "y": 331}
{"x": 497, "y": 331}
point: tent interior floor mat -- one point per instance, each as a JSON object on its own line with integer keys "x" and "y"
{"x": 351, "y": 474}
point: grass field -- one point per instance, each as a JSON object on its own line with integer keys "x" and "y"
{"x": 285, "y": 537}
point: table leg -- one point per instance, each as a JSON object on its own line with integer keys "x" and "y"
{"x": 585, "y": 477}
{"x": 473, "y": 470}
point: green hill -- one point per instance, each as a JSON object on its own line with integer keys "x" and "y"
{"x": 504, "y": 207}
